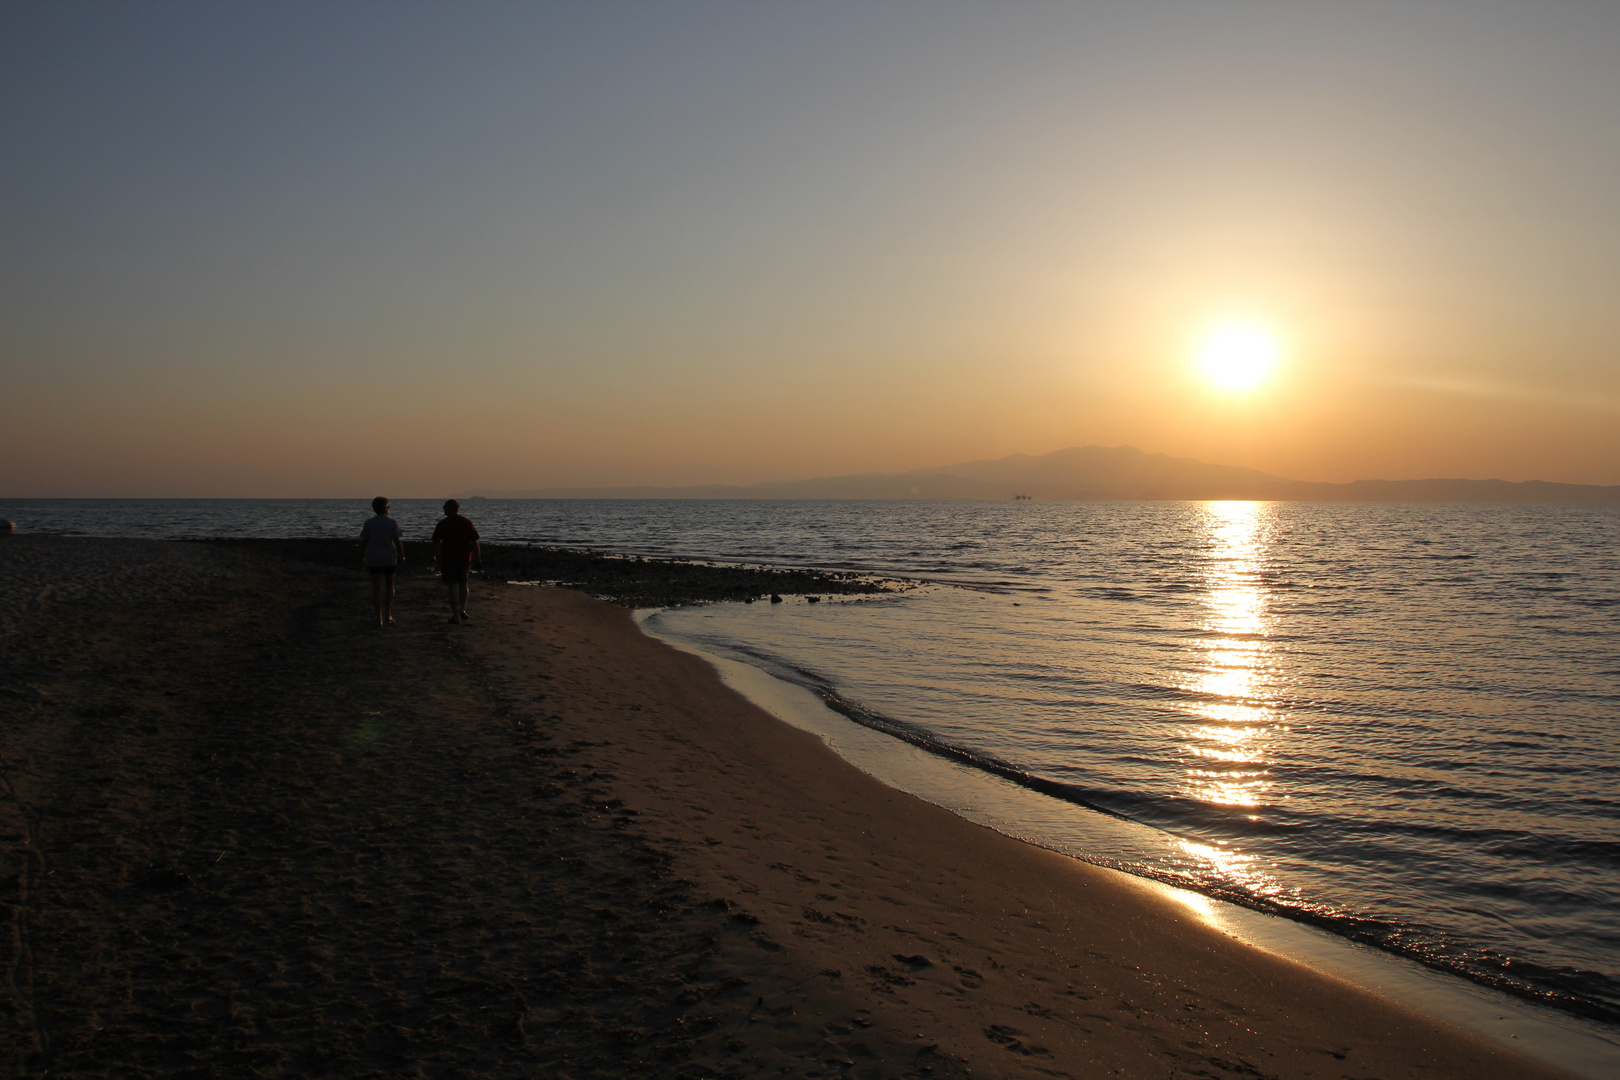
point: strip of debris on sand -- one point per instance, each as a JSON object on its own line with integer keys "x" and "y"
{"x": 248, "y": 833}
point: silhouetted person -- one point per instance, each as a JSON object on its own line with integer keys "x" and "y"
{"x": 455, "y": 548}
{"x": 382, "y": 549}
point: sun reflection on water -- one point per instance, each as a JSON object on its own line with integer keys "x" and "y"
{"x": 1232, "y": 680}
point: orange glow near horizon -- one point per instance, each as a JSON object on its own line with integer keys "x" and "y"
{"x": 708, "y": 259}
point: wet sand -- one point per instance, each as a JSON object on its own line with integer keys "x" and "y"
{"x": 248, "y": 833}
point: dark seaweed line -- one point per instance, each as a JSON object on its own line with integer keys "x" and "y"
{"x": 982, "y": 762}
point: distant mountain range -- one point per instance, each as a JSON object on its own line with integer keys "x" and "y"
{"x": 1096, "y": 472}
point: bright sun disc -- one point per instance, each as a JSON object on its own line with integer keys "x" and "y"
{"x": 1237, "y": 357}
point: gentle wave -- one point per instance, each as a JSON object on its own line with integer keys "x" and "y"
{"x": 1576, "y": 990}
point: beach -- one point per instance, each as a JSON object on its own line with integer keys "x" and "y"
{"x": 249, "y": 833}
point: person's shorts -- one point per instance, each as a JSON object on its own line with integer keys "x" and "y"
{"x": 454, "y": 575}
{"x": 385, "y": 571}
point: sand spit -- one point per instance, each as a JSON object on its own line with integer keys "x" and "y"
{"x": 248, "y": 834}
{"x": 634, "y": 581}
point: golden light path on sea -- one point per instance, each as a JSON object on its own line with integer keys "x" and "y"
{"x": 1232, "y": 677}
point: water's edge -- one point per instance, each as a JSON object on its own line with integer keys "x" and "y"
{"x": 1585, "y": 1047}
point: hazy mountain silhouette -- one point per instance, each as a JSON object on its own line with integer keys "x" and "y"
{"x": 1096, "y": 472}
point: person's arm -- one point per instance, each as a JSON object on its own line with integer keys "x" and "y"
{"x": 438, "y": 531}
{"x": 399, "y": 546}
{"x": 363, "y": 530}
{"x": 478, "y": 555}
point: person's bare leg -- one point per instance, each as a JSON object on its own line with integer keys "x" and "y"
{"x": 455, "y": 610}
{"x": 388, "y": 600}
{"x": 377, "y": 594}
{"x": 461, "y": 591}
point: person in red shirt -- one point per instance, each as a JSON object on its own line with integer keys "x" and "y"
{"x": 455, "y": 549}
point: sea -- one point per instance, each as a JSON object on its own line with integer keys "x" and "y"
{"x": 1393, "y": 722}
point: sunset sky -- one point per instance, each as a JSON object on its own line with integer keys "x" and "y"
{"x": 332, "y": 249}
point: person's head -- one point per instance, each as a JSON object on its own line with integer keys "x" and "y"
{"x": 451, "y": 507}
{"x": 379, "y": 505}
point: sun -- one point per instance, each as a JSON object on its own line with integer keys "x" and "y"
{"x": 1238, "y": 356}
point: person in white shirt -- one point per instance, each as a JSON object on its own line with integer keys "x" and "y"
{"x": 382, "y": 550}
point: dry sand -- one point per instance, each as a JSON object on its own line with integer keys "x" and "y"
{"x": 248, "y": 834}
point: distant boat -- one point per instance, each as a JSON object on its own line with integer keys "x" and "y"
{"x": 1023, "y": 498}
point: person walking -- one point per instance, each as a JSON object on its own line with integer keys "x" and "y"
{"x": 455, "y": 548}
{"x": 382, "y": 551}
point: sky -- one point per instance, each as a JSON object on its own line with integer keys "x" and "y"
{"x": 336, "y": 249}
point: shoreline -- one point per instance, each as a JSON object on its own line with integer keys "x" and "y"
{"x": 875, "y": 853}
{"x": 1583, "y": 1046}
{"x": 270, "y": 836}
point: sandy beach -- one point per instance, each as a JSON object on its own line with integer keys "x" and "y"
{"x": 247, "y": 833}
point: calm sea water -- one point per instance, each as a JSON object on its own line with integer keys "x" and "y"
{"x": 1395, "y": 721}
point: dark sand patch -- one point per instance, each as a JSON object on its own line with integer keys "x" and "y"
{"x": 246, "y": 833}
{"x": 47, "y": 573}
